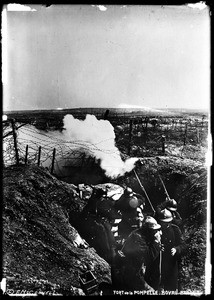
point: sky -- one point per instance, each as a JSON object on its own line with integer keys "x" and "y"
{"x": 70, "y": 56}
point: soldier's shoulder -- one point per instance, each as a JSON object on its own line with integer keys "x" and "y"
{"x": 137, "y": 234}
{"x": 175, "y": 227}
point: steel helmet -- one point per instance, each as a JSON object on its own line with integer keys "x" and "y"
{"x": 128, "y": 191}
{"x": 165, "y": 215}
{"x": 171, "y": 205}
{"x": 151, "y": 223}
{"x": 133, "y": 202}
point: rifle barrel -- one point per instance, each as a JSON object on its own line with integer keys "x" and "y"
{"x": 144, "y": 191}
{"x": 164, "y": 187}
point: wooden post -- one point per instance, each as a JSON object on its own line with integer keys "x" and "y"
{"x": 39, "y": 155}
{"x": 202, "y": 124}
{"x": 163, "y": 139}
{"x": 198, "y": 135}
{"x": 26, "y": 154}
{"x": 52, "y": 167}
{"x": 106, "y": 114}
{"x": 146, "y": 121}
{"x": 130, "y": 136}
{"x": 15, "y": 141}
{"x": 185, "y": 135}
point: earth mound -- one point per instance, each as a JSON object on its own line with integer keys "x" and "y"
{"x": 42, "y": 252}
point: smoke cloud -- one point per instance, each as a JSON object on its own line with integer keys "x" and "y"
{"x": 100, "y": 138}
{"x": 80, "y": 138}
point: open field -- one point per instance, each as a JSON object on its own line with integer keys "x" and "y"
{"x": 137, "y": 133}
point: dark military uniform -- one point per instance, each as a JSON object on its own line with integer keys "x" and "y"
{"x": 130, "y": 215}
{"x": 177, "y": 220}
{"x": 100, "y": 227}
{"x": 138, "y": 266}
{"x": 171, "y": 238}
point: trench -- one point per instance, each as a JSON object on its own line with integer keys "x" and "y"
{"x": 185, "y": 183}
{"x": 89, "y": 173}
{"x": 189, "y": 190}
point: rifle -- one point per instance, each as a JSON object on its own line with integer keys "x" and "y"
{"x": 164, "y": 188}
{"x": 160, "y": 270}
{"x": 160, "y": 285}
{"x": 142, "y": 187}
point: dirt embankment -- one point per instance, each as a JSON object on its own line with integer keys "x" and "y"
{"x": 41, "y": 251}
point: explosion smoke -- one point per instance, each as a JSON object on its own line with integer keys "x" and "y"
{"x": 100, "y": 134}
{"x": 91, "y": 137}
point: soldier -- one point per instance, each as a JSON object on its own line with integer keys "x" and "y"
{"x": 173, "y": 247}
{"x": 110, "y": 217}
{"x": 136, "y": 267}
{"x": 171, "y": 205}
{"x": 98, "y": 223}
{"x": 131, "y": 206}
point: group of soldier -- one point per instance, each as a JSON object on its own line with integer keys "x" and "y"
{"x": 144, "y": 251}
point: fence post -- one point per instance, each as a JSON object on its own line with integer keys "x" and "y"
{"x": 202, "y": 124}
{"x": 130, "y": 136}
{"x": 52, "y": 167}
{"x": 39, "y": 155}
{"x": 146, "y": 123}
{"x": 185, "y": 135}
{"x": 15, "y": 141}
{"x": 163, "y": 139}
{"x": 26, "y": 154}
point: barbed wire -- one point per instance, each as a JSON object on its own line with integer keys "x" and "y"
{"x": 66, "y": 150}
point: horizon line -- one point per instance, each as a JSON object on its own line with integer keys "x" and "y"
{"x": 113, "y": 108}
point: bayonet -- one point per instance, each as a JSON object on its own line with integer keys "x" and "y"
{"x": 142, "y": 187}
{"x": 164, "y": 188}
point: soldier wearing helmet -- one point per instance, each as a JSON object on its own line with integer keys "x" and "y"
{"x": 131, "y": 206}
{"x": 173, "y": 247}
{"x": 136, "y": 267}
{"x": 171, "y": 205}
{"x": 99, "y": 224}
